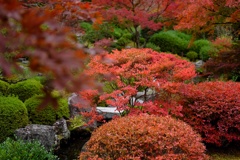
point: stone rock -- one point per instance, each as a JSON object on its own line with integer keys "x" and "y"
{"x": 61, "y": 129}
{"x": 108, "y": 112}
{"x": 48, "y": 136}
{"x": 43, "y": 133}
{"x": 199, "y": 64}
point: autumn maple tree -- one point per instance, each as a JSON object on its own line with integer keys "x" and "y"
{"x": 139, "y": 81}
{"x": 205, "y": 15}
{"x": 42, "y": 32}
{"x": 136, "y": 15}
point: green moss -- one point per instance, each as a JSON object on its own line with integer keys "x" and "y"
{"x": 13, "y": 115}
{"x": 4, "y": 87}
{"x": 47, "y": 114}
{"x": 25, "y": 89}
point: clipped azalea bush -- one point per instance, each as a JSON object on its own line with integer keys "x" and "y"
{"x": 213, "y": 110}
{"x": 4, "y": 87}
{"x": 144, "y": 137}
{"x": 25, "y": 89}
{"x": 13, "y": 115}
{"x": 47, "y": 114}
{"x": 20, "y": 150}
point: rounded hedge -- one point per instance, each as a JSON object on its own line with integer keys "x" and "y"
{"x": 153, "y": 46}
{"x": 144, "y": 137}
{"x": 213, "y": 110}
{"x": 198, "y": 44}
{"x": 48, "y": 114}
{"x": 170, "y": 42}
{"x": 25, "y": 89}
{"x": 13, "y": 115}
{"x": 4, "y": 87}
{"x": 205, "y": 52}
{"x": 20, "y": 150}
{"x": 192, "y": 56}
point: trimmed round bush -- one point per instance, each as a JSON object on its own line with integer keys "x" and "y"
{"x": 192, "y": 56}
{"x": 20, "y": 150}
{"x": 205, "y": 52}
{"x": 144, "y": 137}
{"x": 170, "y": 42}
{"x": 153, "y": 46}
{"x": 47, "y": 114}
{"x": 198, "y": 44}
{"x": 4, "y": 87}
{"x": 25, "y": 89}
{"x": 213, "y": 110}
{"x": 13, "y": 115}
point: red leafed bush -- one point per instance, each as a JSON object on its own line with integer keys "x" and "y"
{"x": 213, "y": 110}
{"x": 138, "y": 77}
{"x": 144, "y": 137}
{"x": 225, "y": 64}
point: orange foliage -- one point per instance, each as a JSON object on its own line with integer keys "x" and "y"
{"x": 144, "y": 137}
{"x": 203, "y": 15}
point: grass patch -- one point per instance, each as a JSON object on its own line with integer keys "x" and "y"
{"x": 231, "y": 152}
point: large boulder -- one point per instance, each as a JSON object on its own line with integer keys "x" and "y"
{"x": 48, "y": 136}
{"x": 43, "y": 133}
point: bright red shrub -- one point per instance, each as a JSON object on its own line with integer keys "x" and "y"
{"x": 213, "y": 110}
{"x": 144, "y": 137}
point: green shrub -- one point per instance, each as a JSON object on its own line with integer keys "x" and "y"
{"x": 117, "y": 33}
{"x": 25, "y": 89}
{"x": 198, "y": 44}
{"x": 76, "y": 122}
{"x": 170, "y": 42}
{"x": 153, "y": 46}
{"x": 3, "y": 87}
{"x": 123, "y": 41}
{"x": 144, "y": 137}
{"x": 20, "y": 150}
{"x": 205, "y": 51}
{"x": 93, "y": 35}
{"x": 13, "y": 115}
{"x": 47, "y": 114}
{"x": 181, "y": 35}
{"x": 192, "y": 55}
{"x": 86, "y": 26}
{"x": 41, "y": 79}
